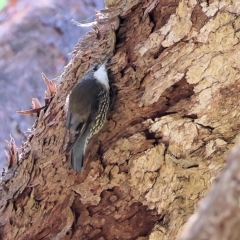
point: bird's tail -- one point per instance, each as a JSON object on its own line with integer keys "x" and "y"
{"x": 78, "y": 151}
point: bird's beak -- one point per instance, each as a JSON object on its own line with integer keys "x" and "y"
{"x": 106, "y": 60}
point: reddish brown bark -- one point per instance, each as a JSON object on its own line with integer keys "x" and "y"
{"x": 175, "y": 68}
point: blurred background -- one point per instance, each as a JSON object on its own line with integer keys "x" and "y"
{"x": 35, "y": 37}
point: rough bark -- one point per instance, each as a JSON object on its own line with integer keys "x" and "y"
{"x": 218, "y": 216}
{"x": 175, "y": 67}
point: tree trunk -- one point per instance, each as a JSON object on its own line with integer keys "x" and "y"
{"x": 218, "y": 215}
{"x": 175, "y": 66}
{"x": 35, "y": 37}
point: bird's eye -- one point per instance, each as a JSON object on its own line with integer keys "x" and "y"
{"x": 95, "y": 68}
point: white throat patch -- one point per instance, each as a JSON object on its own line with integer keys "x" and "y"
{"x": 101, "y": 75}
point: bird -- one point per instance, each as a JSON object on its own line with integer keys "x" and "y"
{"x": 87, "y": 107}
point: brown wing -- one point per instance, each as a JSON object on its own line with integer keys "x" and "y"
{"x": 83, "y": 106}
{"x": 75, "y": 130}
